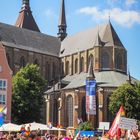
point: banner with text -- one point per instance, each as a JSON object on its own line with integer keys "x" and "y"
{"x": 91, "y": 97}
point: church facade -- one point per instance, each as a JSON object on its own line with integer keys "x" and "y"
{"x": 64, "y": 61}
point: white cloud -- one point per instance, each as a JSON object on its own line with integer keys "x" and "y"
{"x": 124, "y": 18}
{"x": 129, "y": 3}
{"x": 50, "y": 13}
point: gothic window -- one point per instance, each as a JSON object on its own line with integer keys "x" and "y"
{"x": 47, "y": 71}
{"x": 119, "y": 61}
{"x": 22, "y": 62}
{"x": 105, "y": 61}
{"x": 83, "y": 108}
{"x": 55, "y": 112}
{"x": 53, "y": 71}
{"x": 76, "y": 65}
{"x": 81, "y": 64}
{"x": 62, "y": 68}
{"x": 91, "y": 58}
{"x": 8, "y": 58}
{"x": 36, "y": 62}
{"x": 69, "y": 106}
{"x": 67, "y": 67}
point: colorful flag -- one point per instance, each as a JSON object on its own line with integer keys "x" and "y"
{"x": 2, "y": 115}
{"x": 114, "y": 131}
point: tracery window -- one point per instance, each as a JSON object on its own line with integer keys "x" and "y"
{"x": 119, "y": 61}
{"x": 22, "y": 62}
{"x": 105, "y": 61}
{"x": 83, "y": 108}
{"x": 76, "y": 65}
{"x": 69, "y": 106}
{"x": 81, "y": 64}
{"x": 67, "y": 67}
{"x": 36, "y": 62}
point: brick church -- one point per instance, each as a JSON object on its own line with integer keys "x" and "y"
{"x": 65, "y": 62}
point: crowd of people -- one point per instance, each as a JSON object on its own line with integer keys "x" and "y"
{"x": 41, "y": 135}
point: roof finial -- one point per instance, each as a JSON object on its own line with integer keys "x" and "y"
{"x": 25, "y": 4}
{"x": 98, "y": 41}
{"x": 109, "y": 16}
{"x": 62, "y": 23}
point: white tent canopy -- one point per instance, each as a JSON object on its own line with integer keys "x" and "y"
{"x": 39, "y": 126}
{"x": 10, "y": 127}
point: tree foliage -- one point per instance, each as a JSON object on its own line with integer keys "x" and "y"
{"x": 86, "y": 126}
{"x": 129, "y": 96}
{"x": 27, "y": 99}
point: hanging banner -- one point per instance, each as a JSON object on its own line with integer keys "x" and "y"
{"x": 91, "y": 97}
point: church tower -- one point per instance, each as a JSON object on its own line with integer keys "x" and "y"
{"x": 62, "y": 23}
{"x": 25, "y": 18}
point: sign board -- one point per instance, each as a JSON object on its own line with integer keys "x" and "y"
{"x": 127, "y": 123}
{"x": 104, "y": 125}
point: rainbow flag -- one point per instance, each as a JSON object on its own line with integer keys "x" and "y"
{"x": 3, "y": 112}
{"x": 114, "y": 131}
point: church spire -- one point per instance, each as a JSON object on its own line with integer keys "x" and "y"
{"x": 62, "y": 23}
{"x": 90, "y": 74}
{"x": 25, "y": 18}
{"x": 98, "y": 41}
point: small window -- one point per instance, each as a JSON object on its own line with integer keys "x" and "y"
{"x": 2, "y": 99}
{"x": 3, "y": 85}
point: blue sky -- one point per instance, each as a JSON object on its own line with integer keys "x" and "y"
{"x": 84, "y": 14}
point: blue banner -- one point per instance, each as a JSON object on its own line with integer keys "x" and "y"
{"x": 91, "y": 97}
{"x": 90, "y": 87}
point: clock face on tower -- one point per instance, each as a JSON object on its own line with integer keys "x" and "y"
{"x": 0, "y": 68}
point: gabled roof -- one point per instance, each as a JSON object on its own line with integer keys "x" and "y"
{"x": 87, "y": 39}
{"x": 29, "y": 40}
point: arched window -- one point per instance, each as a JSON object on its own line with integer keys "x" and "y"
{"x": 91, "y": 58}
{"x": 55, "y": 112}
{"x": 67, "y": 67}
{"x": 8, "y": 59}
{"x": 81, "y": 64}
{"x": 119, "y": 61}
{"x": 105, "y": 61}
{"x": 69, "y": 108}
{"x": 22, "y": 62}
{"x": 53, "y": 71}
{"x": 83, "y": 109}
{"x": 76, "y": 65}
{"x": 47, "y": 71}
{"x": 36, "y": 62}
{"x": 62, "y": 68}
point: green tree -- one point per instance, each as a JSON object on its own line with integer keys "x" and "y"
{"x": 27, "y": 99}
{"x": 86, "y": 126}
{"x": 129, "y": 96}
